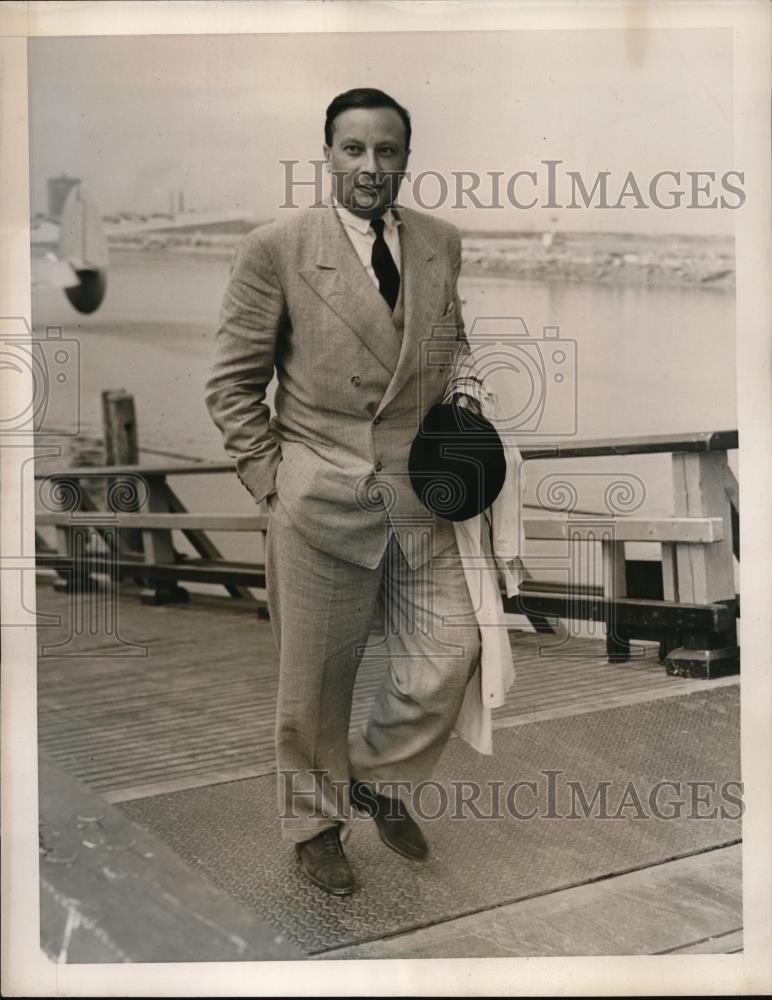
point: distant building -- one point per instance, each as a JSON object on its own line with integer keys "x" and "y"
{"x": 58, "y": 189}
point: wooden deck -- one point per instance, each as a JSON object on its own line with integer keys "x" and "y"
{"x": 690, "y": 906}
{"x": 137, "y": 700}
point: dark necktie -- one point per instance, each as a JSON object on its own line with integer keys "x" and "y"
{"x": 383, "y": 264}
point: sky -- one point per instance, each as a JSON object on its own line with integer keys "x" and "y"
{"x": 213, "y": 116}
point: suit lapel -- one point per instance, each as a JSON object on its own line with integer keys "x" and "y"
{"x": 422, "y": 294}
{"x": 335, "y": 273}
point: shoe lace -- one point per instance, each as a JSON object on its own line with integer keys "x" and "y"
{"x": 329, "y": 843}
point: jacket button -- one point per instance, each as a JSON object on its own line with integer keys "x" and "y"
{"x": 378, "y": 466}
{"x": 356, "y": 380}
{"x": 377, "y": 420}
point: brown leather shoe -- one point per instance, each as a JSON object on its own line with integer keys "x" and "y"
{"x": 396, "y": 827}
{"x": 325, "y": 863}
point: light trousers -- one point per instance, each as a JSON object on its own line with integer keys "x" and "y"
{"x": 323, "y": 610}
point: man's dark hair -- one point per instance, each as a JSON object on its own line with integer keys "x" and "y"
{"x": 364, "y": 97}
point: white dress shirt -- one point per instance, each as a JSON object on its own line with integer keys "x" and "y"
{"x": 362, "y": 237}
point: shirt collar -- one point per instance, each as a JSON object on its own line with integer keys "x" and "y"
{"x": 390, "y": 217}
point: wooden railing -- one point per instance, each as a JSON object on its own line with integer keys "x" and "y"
{"x": 693, "y": 618}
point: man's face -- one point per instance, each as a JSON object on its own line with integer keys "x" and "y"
{"x": 367, "y": 159}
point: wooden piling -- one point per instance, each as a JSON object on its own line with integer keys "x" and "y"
{"x": 119, "y": 423}
{"x": 120, "y": 427}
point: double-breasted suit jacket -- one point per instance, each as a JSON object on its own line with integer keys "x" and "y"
{"x": 354, "y": 379}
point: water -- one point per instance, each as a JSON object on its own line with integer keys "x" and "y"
{"x": 655, "y": 360}
{"x": 648, "y": 361}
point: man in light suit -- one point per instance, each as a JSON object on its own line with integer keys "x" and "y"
{"x": 354, "y": 305}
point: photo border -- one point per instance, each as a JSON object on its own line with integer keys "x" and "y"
{"x": 26, "y": 970}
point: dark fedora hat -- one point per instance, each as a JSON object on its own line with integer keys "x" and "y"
{"x": 456, "y": 462}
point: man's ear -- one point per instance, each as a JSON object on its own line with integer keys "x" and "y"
{"x": 326, "y": 149}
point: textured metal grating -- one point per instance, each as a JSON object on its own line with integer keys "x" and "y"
{"x": 230, "y": 831}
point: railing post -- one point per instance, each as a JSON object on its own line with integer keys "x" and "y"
{"x": 614, "y": 587}
{"x": 703, "y": 574}
{"x": 67, "y": 496}
{"x": 158, "y": 548}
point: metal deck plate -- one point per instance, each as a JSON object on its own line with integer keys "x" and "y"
{"x": 230, "y": 831}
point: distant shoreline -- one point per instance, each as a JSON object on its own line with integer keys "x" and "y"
{"x": 606, "y": 270}
{"x": 582, "y": 258}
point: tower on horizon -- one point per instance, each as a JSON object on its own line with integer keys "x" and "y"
{"x": 58, "y": 189}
